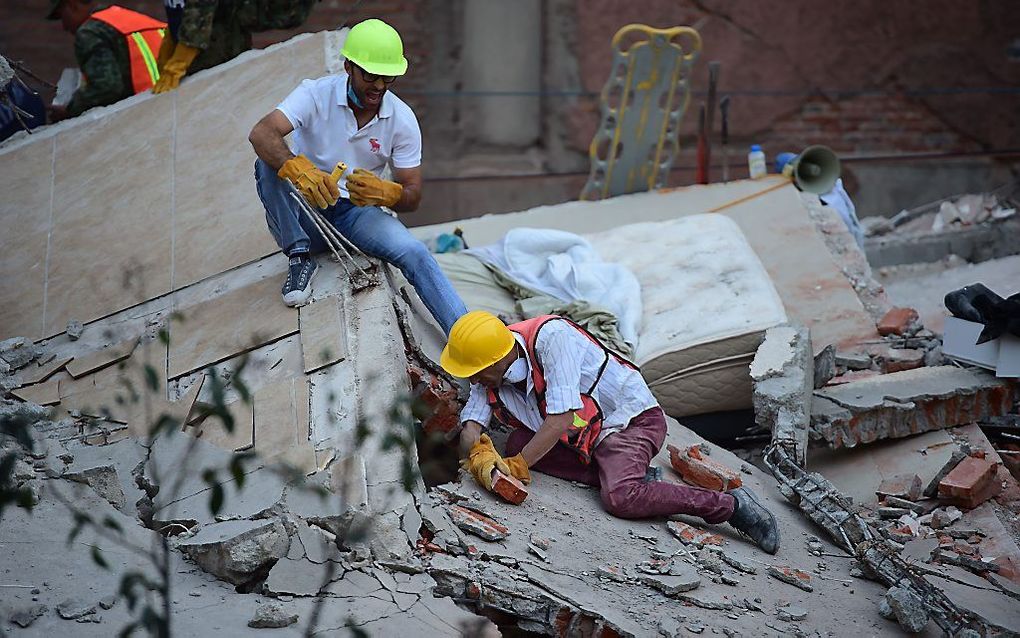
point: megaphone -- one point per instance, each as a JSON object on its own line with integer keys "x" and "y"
{"x": 815, "y": 170}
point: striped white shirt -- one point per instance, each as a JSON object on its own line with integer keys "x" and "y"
{"x": 570, "y": 362}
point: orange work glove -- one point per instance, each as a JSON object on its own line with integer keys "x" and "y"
{"x": 367, "y": 189}
{"x": 170, "y": 74}
{"x": 316, "y": 186}
{"x": 482, "y": 459}
{"x": 519, "y": 468}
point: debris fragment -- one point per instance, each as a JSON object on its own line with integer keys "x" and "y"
{"x": 905, "y": 486}
{"x": 897, "y": 321}
{"x": 235, "y": 550}
{"x": 691, "y": 535}
{"x": 25, "y": 616}
{"x": 792, "y": 613}
{"x": 612, "y": 572}
{"x": 932, "y": 489}
{"x": 74, "y": 608}
{"x": 694, "y": 468}
{"x": 670, "y": 584}
{"x": 791, "y": 576}
{"x": 909, "y": 610}
{"x": 74, "y": 329}
{"x": 476, "y": 523}
{"x": 271, "y": 616}
{"x": 18, "y": 352}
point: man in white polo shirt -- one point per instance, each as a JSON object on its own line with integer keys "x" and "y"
{"x": 353, "y": 118}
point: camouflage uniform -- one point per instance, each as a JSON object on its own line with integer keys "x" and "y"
{"x": 222, "y": 29}
{"x": 102, "y": 55}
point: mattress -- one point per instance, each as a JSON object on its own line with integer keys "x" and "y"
{"x": 707, "y": 303}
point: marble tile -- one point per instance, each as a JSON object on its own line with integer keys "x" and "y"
{"x": 42, "y": 393}
{"x": 219, "y": 220}
{"x": 37, "y": 374}
{"x": 323, "y": 333}
{"x": 80, "y": 366}
{"x": 111, "y": 234}
{"x": 26, "y": 175}
{"x": 281, "y": 424}
{"x": 227, "y": 325}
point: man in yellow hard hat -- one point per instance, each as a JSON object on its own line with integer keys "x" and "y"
{"x": 579, "y": 412}
{"x": 350, "y": 117}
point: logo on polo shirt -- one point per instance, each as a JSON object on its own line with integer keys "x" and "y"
{"x": 374, "y": 142}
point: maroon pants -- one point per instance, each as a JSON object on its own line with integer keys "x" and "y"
{"x": 618, "y": 468}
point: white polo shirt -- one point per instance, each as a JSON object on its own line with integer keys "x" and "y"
{"x": 326, "y": 131}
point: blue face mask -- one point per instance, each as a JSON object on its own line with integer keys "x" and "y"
{"x": 352, "y": 96}
{"x": 517, "y": 372}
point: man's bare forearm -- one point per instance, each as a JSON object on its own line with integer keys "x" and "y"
{"x": 269, "y": 146}
{"x": 552, "y": 429}
{"x": 409, "y": 199}
{"x": 469, "y": 435}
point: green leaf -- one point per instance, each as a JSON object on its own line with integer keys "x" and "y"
{"x": 216, "y": 499}
{"x": 151, "y": 378}
{"x": 80, "y": 521}
{"x": 164, "y": 336}
{"x": 111, "y": 523}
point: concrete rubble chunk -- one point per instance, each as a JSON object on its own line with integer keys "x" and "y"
{"x": 897, "y": 360}
{"x": 25, "y": 616}
{"x": 905, "y": 403}
{"x": 295, "y": 577}
{"x": 853, "y": 360}
{"x": 932, "y": 489}
{"x": 105, "y": 481}
{"x": 74, "y": 608}
{"x": 236, "y": 550}
{"x": 783, "y": 377}
{"x": 271, "y": 616}
{"x": 695, "y": 468}
{"x": 794, "y": 614}
{"x": 18, "y": 352}
{"x": 905, "y": 486}
{"x": 670, "y": 584}
{"x": 825, "y": 365}
{"x": 478, "y": 524}
{"x": 74, "y": 329}
{"x": 908, "y": 608}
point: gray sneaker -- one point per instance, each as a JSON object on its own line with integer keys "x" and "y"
{"x": 298, "y": 286}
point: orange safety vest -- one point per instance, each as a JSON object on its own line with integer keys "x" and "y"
{"x": 143, "y": 35}
{"x": 587, "y": 425}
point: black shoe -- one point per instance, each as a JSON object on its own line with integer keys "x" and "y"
{"x": 298, "y": 287}
{"x": 752, "y": 519}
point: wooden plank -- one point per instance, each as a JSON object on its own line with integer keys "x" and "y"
{"x": 228, "y": 325}
{"x": 323, "y": 333}
{"x": 42, "y": 393}
{"x": 80, "y": 366}
{"x": 281, "y": 424}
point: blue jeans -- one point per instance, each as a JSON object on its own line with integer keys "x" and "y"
{"x": 370, "y": 229}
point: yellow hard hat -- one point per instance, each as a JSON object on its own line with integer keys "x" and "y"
{"x": 376, "y": 47}
{"x": 477, "y": 340}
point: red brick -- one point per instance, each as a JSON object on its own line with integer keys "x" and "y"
{"x": 971, "y": 483}
{"x": 1009, "y": 567}
{"x": 472, "y": 522}
{"x": 896, "y": 321}
{"x": 697, "y": 470}
{"x": 691, "y": 535}
{"x": 509, "y": 488}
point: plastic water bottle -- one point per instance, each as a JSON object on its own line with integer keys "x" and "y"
{"x": 756, "y": 162}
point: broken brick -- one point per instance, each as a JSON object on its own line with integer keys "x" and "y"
{"x": 792, "y": 576}
{"x": 971, "y": 483}
{"x": 897, "y": 321}
{"x": 1009, "y": 567}
{"x": 905, "y": 486}
{"x": 478, "y": 524}
{"x": 932, "y": 490}
{"x": 508, "y": 488}
{"x": 438, "y": 399}
{"x": 690, "y": 535}
{"x": 694, "y": 468}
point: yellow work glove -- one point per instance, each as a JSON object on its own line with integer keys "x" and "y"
{"x": 166, "y": 49}
{"x": 317, "y": 186}
{"x": 367, "y": 189}
{"x": 519, "y": 468}
{"x": 170, "y": 74}
{"x": 482, "y": 459}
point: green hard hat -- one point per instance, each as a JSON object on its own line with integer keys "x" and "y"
{"x": 376, "y": 47}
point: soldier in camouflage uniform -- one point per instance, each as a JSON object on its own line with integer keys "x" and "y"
{"x": 204, "y": 33}
{"x": 102, "y": 56}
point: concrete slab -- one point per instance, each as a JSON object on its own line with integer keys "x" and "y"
{"x": 281, "y": 425}
{"x": 323, "y": 333}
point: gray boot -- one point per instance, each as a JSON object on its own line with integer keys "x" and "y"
{"x": 752, "y": 519}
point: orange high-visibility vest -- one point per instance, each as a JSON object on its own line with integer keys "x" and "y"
{"x": 143, "y": 35}
{"x": 584, "y": 431}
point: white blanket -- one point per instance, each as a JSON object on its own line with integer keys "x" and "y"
{"x": 566, "y": 266}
